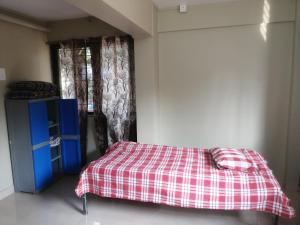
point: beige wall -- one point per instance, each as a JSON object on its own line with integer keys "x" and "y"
{"x": 130, "y": 16}
{"x": 293, "y": 165}
{"x": 146, "y": 72}
{"x": 227, "y": 83}
{"x": 80, "y": 28}
{"x": 137, "y": 11}
{"x": 249, "y": 12}
{"x": 25, "y": 56}
{"x": 227, "y": 87}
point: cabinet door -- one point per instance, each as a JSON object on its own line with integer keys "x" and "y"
{"x": 42, "y": 167}
{"x": 38, "y": 118}
{"x": 69, "y": 129}
{"x": 68, "y": 114}
{"x": 71, "y": 156}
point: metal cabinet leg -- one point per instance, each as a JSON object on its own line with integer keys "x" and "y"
{"x": 84, "y": 205}
{"x": 276, "y": 220}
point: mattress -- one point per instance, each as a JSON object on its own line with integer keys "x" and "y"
{"x": 182, "y": 177}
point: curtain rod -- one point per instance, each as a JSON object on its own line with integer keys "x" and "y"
{"x": 87, "y": 39}
{"x": 67, "y": 40}
{"x": 23, "y": 23}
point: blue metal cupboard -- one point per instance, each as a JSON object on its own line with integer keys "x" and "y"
{"x": 31, "y": 124}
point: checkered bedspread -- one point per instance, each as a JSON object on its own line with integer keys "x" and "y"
{"x": 184, "y": 177}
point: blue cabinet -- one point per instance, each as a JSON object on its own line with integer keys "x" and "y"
{"x": 38, "y": 118}
{"x": 42, "y": 167}
{"x": 69, "y": 129}
{"x": 30, "y": 124}
{"x": 68, "y": 114}
{"x": 71, "y": 156}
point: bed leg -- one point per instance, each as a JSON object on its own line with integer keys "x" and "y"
{"x": 276, "y": 220}
{"x": 84, "y": 205}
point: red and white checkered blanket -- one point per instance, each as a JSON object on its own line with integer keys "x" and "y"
{"x": 184, "y": 177}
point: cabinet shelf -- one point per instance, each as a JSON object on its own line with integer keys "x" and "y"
{"x": 56, "y": 158}
{"x": 53, "y": 125}
{"x": 52, "y": 147}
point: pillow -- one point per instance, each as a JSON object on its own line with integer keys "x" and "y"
{"x": 233, "y": 159}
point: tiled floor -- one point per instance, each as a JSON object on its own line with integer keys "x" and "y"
{"x": 59, "y": 206}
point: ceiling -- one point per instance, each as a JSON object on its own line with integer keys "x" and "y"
{"x": 53, "y": 10}
{"x": 42, "y": 10}
{"x": 162, "y": 4}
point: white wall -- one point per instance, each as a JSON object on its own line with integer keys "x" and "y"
{"x": 227, "y": 84}
{"x": 25, "y": 56}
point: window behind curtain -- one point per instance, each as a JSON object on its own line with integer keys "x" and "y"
{"x": 66, "y": 77}
{"x": 113, "y": 101}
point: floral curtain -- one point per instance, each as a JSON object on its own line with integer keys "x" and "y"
{"x": 111, "y": 89}
{"x": 114, "y": 81}
{"x": 73, "y": 82}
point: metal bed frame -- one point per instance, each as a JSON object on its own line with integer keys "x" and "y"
{"x": 85, "y": 210}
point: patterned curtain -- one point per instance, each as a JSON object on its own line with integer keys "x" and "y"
{"x": 114, "y": 99}
{"x": 73, "y": 82}
{"x": 99, "y": 117}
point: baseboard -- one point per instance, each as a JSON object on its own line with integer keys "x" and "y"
{"x": 6, "y": 192}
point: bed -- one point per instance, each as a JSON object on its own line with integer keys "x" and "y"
{"x": 182, "y": 177}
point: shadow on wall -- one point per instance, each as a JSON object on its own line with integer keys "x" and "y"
{"x": 92, "y": 151}
{"x": 277, "y": 92}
